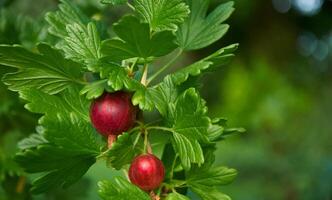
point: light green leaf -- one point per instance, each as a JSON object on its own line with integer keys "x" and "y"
{"x": 123, "y": 150}
{"x": 114, "y": 2}
{"x": 199, "y": 30}
{"x": 176, "y": 196}
{"x": 121, "y": 189}
{"x": 162, "y": 14}
{"x": 47, "y": 71}
{"x": 137, "y": 41}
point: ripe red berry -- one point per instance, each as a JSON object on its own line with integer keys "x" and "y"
{"x": 113, "y": 113}
{"x": 147, "y": 172}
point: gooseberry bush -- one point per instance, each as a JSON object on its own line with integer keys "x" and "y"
{"x": 101, "y": 96}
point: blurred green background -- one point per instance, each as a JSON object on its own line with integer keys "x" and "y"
{"x": 278, "y": 87}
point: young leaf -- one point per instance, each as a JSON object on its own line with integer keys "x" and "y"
{"x": 47, "y": 71}
{"x": 114, "y": 2}
{"x": 121, "y": 189}
{"x": 162, "y": 14}
{"x": 136, "y": 40}
{"x": 62, "y": 167}
{"x": 123, "y": 150}
{"x": 199, "y": 30}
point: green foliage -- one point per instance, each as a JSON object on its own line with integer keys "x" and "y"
{"x": 79, "y": 36}
{"x": 47, "y": 71}
{"x": 124, "y": 150}
{"x": 59, "y": 85}
{"x": 121, "y": 189}
{"x": 162, "y": 14}
{"x": 136, "y": 40}
{"x": 199, "y": 30}
{"x": 114, "y": 2}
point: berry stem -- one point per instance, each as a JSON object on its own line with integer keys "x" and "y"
{"x": 155, "y": 75}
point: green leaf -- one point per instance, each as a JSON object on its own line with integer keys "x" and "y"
{"x": 61, "y": 167}
{"x": 68, "y": 13}
{"x": 190, "y": 127}
{"x": 211, "y": 176}
{"x": 137, "y": 41}
{"x": 162, "y": 14}
{"x": 199, "y": 30}
{"x": 79, "y": 36}
{"x": 120, "y": 189}
{"x": 114, "y": 2}
{"x": 207, "y": 193}
{"x": 118, "y": 79}
{"x": 209, "y": 63}
{"x": 47, "y": 71}
{"x": 176, "y": 196}
{"x": 203, "y": 180}
{"x": 95, "y": 89}
{"x": 72, "y": 143}
{"x": 82, "y": 43}
{"x": 190, "y": 116}
{"x": 123, "y": 150}
{"x": 32, "y": 141}
{"x": 69, "y": 101}
{"x": 71, "y": 132}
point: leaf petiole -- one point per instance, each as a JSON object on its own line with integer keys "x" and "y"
{"x": 155, "y": 75}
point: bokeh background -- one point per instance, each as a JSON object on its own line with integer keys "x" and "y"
{"x": 278, "y": 87}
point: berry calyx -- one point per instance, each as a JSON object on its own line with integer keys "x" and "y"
{"x": 113, "y": 113}
{"x": 147, "y": 172}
